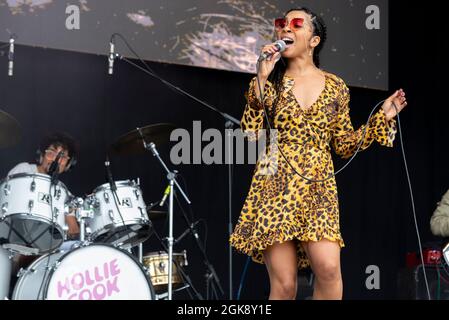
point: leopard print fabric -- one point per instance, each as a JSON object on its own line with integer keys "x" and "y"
{"x": 281, "y": 206}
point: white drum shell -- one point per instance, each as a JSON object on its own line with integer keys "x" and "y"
{"x": 119, "y": 221}
{"x": 25, "y": 203}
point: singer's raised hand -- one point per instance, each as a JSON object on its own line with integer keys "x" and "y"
{"x": 399, "y": 101}
{"x": 267, "y": 65}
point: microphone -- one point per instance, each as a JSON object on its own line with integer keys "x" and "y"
{"x": 11, "y": 57}
{"x": 53, "y": 171}
{"x": 109, "y": 176}
{"x": 166, "y": 193}
{"x": 111, "y": 57}
{"x": 280, "y": 46}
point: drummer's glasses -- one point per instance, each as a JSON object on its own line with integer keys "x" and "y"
{"x": 51, "y": 154}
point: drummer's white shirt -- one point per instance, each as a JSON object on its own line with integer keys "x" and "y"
{"x": 29, "y": 168}
{"x": 23, "y": 167}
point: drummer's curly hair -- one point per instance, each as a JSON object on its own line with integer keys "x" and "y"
{"x": 63, "y": 140}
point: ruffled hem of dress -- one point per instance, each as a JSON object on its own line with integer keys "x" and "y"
{"x": 252, "y": 247}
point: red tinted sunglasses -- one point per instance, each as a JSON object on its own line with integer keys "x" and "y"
{"x": 295, "y": 23}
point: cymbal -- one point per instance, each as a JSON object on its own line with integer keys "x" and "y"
{"x": 10, "y": 130}
{"x": 156, "y": 214}
{"x": 131, "y": 143}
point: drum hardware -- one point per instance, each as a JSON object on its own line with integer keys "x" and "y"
{"x": 83, "y": 211}
{"x": 7, "y": 189}
{"x": 140, "y": 253}
{"x": 26, "y": 251}
{"x": 164, "y": 295}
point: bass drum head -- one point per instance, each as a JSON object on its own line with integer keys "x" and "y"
{"x": 98, "y": 272}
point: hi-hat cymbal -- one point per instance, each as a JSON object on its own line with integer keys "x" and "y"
{"x": 131, "y": 143}
{"x": 10, "y": 130}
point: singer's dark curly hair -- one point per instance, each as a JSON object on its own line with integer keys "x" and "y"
{"x": 60, "y": 139}
{"x": 319, "y": 29}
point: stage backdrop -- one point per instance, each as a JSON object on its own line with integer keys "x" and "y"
{"x": 207, "y": 33}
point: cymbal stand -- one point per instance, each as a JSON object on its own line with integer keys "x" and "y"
{"x": 171, "y": 176}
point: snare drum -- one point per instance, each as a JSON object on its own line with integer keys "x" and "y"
{"x": 32, "y": 216}
{"x": 93, "y": 272}
{"x": 120, "y": 219}
{"x": 157, "y": 265}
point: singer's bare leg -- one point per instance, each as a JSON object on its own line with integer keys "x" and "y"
{"x": 324, "y": 258}
{"x": 281, "y": 263}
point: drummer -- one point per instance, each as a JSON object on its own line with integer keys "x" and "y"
{"x": 49, "y": 148}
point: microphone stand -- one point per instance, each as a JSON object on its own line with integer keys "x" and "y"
{"x": 171, "y": 176}
{"x": 230, "y": 121}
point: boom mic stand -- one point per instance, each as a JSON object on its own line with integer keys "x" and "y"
{"x": 230, "y": 121}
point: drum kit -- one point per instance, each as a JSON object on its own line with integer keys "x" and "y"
{"x": 113, "y": 219}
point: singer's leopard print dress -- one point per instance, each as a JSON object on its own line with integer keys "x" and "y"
{"x": 280, "y": 205}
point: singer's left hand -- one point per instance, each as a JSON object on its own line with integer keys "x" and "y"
{"x": 399, "y": 100}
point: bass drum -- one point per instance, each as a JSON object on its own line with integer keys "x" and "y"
{"x": 94, "y": 272}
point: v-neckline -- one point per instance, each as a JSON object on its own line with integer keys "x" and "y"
{"x": 316, "y": 101}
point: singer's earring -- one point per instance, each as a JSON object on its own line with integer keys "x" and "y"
{"x": 310, "y": 53}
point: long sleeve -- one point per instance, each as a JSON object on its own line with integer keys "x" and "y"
{"x": 345, "y": 140}
{"x": 253, "y": 116}
{"x": 439, "y": 223}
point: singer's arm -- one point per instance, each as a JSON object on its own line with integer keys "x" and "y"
{"x": 345, "y": 140}
{"x": 253, "y": 116}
